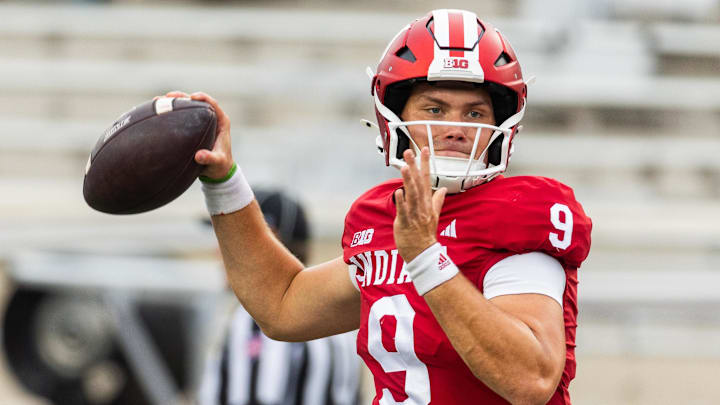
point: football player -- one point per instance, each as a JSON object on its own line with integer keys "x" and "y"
{"x": 462, "y": 282}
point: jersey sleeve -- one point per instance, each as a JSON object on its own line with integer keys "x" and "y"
{"x": 372, "y": 210}
{"x": 529, "y": 273}
{"x": 352, "y": 228}
{"x": 541, "y": 215}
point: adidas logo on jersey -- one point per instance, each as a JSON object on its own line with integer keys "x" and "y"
{"x": 449, "y": 231}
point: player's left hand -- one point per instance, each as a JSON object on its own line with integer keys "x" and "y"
{"x": 418, "y": 208}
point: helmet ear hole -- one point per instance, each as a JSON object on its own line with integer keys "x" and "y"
{"x": 504, "y": 101}
{"x": 495, "y": 150}
{"x": 403, "y": 143}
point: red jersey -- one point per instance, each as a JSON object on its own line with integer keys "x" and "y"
{"x": 409, "y": 355}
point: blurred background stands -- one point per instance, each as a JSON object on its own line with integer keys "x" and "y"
{"x": 625, "y": 110}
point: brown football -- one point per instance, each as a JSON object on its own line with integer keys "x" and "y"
{"x": 146, "y": 158}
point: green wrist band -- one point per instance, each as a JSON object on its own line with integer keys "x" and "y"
{"x": 227, "y": 177}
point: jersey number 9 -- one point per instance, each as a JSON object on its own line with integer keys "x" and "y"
{"x": 565, "y": 225}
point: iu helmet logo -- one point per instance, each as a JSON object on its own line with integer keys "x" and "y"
{"x": 455, "y": 63}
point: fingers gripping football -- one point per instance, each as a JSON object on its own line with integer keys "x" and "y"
{"x": 418, "y": 208}
{"x": 218, "y": 161}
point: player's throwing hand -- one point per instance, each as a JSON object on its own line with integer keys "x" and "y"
{"x": 418, "y": 208}
{"x": 219, "y": 160}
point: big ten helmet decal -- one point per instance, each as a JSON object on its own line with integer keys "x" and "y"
{"x": 450, "y": 45}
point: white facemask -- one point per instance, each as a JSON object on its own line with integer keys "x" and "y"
{"x": 454, "y": 173}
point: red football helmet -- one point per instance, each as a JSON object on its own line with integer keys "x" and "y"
{"x": 450, "y": 45}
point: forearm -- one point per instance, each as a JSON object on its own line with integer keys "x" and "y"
{"x": 287, "y": 301}
{"x": 501, "y": 350}
{"x": 259, "y": 268}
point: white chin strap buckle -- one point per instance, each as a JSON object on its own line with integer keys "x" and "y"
{"x": 453, "y": 185}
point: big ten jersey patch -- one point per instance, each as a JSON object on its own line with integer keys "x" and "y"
{"x": 411, "y": 358}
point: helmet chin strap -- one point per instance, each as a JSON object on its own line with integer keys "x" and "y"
{"x": 453, "y": 185}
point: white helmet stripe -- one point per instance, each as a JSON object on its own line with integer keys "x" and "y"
{"x": 441, "y": 28}
{"x": 470, "y": 25}
{"x": 461, "y": 28}
{"x": 446, "y": 35}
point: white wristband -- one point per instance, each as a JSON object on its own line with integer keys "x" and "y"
{"x": 431, "y": 268}
{"x": 229, "y": 196}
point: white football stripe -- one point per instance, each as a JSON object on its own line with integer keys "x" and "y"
{"x": 163, "y": 105}
{"x": 87, "y": 165}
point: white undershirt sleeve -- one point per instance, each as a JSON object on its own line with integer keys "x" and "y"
{"x": 352, "y": 271}
{"x": 528, "y": 273}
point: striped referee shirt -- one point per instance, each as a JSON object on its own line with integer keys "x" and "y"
{"x": 252, "y": 369}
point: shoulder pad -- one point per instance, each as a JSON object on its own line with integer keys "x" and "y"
{"x": 528, "y": 214}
